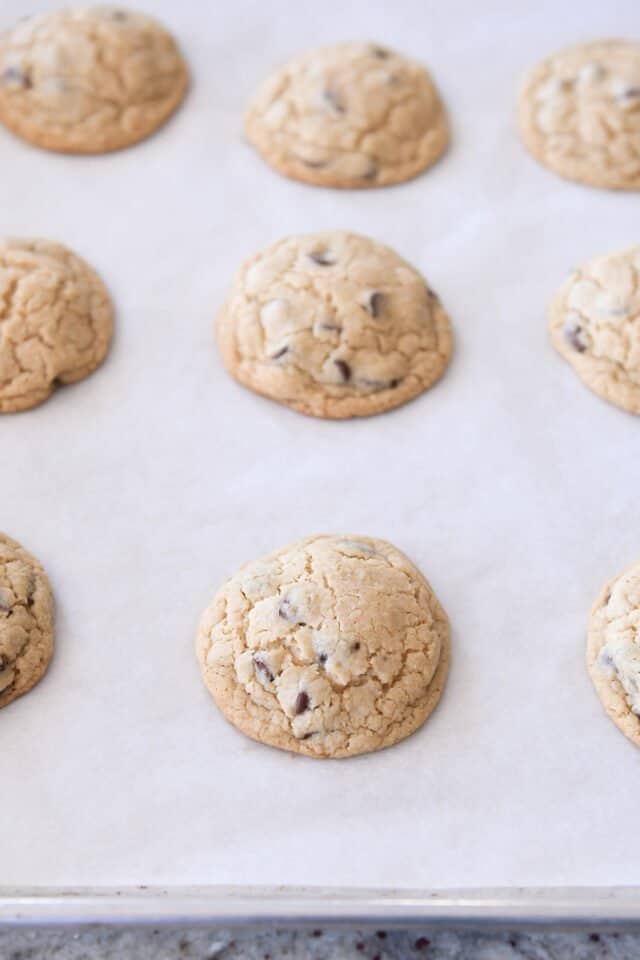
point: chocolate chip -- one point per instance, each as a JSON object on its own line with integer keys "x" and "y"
{"x": 380, "y": 53}
{"x": 344, "y": 368}
{"x": 375, "y": 303}
{"x": 4, "y": 662}
{"x": 316, "y": 933}
{"x": 607, "y": 598}
{"x": 334, "y": 100}
{"x": 322, "y": 658}
{"x": 573, "y": 334}
{"x": 322, "y": 258}
{"x": 395, "y": 383}
{"x": 594, "y": 937}
{"x": 307, "y": 736}
{"x": 14, "y": 77}
{"x": 360, "y": 946}
{"x": 280, "y": 353}
{"x": 355, "y": 647}
{"x": 381, "y": 934}
{"x": 289, "y": 612}
{"x": 302, "y": 703}
{"x": 331, "y": 327}
{"x": 371, "y": 173}
{"x": 422, "y": 943}
{"x": 630, "y": 93}
{"x": 262, "y": 669}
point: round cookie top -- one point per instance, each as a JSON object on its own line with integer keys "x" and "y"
{"x": 88, "y": 80}
{"x": 55, "y": 321}
{"x": 334, "y": 325}
{"x": 330, "y": 647}
{"x": 579, "y": 113}
{"x": 26, "y": 621}
{"x": 349, "y": 115}
{"x": 595, "y": 325}
{"x": 613, "y": 650}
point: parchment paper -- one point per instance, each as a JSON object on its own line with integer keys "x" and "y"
{"x": 142, "y": 488}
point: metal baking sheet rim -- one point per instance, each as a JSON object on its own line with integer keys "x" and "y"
{"x": 561, "y": 907}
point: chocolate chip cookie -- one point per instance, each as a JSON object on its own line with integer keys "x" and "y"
{"x": 579, "y": 113}
{"x": 613, "y": 650}
{"x": 349, "y": 115}
{"x": 333, "y": 325}
{"x": 55, "y": 321}
{"x": 595, "y": 325}
{"x": 330, "y": 647}
{"x": 26, "y": 621}
{"x": 89, "y": 80}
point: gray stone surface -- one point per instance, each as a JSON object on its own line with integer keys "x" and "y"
{"x": 215, "y": 944}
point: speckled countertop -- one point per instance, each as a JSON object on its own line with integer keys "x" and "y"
{"x": 216, "y": 944}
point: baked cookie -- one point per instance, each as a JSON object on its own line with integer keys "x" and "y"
{"x": 350, "y": 115}
{"x": 55, "y": 321}
{"x": 595, "y": 325}
{"x": 330, "y": 647}
{"x": 613, "y": 650}
{"x": 334, "y": 325}
{"x": 579, "y": 113}
{"x": 26, "y": 621}
{"x": 88, "y": 80}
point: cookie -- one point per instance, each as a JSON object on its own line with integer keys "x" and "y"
{"x": 88, "y": 80}
{"x": 26, "y": 621}
{"x": 595, "y": 325}
{"x": 330, "y": 647}
{"x": 613, "y": 650}
{"x": 333, "y": 325}
{"x": 349, "y": 115}
{"x": 55, "y": 321}
{"x": 579, "y": 113}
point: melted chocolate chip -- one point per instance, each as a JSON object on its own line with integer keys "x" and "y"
{"x": 262, "y": 669}
{"x": 355, "y": 647}
{"x": 573, "y": 334}
{"x": 395, "y": 383}
{"x": 375, "y": 303}
{"x": 280, "y": 353}
{"x": 432, "y": 294}
{"x": 322, "y": 258}
{"x": 14, "y": 77}
{"x": 322, "y": 658}
{"x": 289, "y": 612}
{"x": 334, "y": 100}
{"x": 307, "y": 736}
{"x": 380, "y": 53}
{"x": 302, "y": 703}
{"x": 344, "y": 368}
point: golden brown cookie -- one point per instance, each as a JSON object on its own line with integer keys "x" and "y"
{"x": 613, "y": 650}
{"x": 55, "y": 321}
{"x": 334, "y": 325}
{"x": 89, "y": 79}
{"x": 350, "y": 115}
{"x": 330, "y": 647}
{"x": 579, "y": 113}
{"x": 26, "y": 621}
{"x": 595, "y": 325}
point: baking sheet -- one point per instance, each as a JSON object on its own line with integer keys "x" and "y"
{"x": 512, "y": 487}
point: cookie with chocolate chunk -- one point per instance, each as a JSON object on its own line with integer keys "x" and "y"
{"x": 613, "y": 650}
{"x": 330, "y": 647}
{"x": 333, "y": 325}
{"x": 595, "y": 325}
{"x": 579, "y": 113}
{"x": 89, "y": 80}
{"x": 55, "y": 321}
{"x": 26, "y": 621}
{"x": 349, "y": 115}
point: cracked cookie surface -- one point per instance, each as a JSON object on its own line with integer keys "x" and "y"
{"x": 333, "y": 325}
{"x": 88, "y": 80}
{"x": 613, "y": 650}
{"x": 330, "y": 647}
{"x": 349, "y": 115}
{"x": 26, "y": 621}
{"x": 55, "y": 321}
{"x": 595, "y": 325}
{"x": 579, "y": 113}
